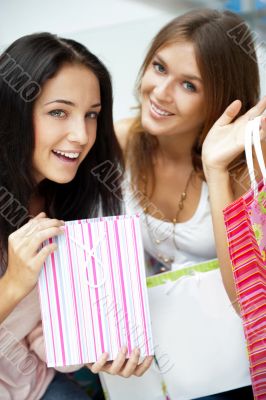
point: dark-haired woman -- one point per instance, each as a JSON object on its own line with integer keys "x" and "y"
{"x": 182, "y": 172}
{"x": 55, "y": 126}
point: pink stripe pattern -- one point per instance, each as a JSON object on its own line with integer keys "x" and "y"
{"x": 249, "y": 269}
{"x": 93, "y": 292}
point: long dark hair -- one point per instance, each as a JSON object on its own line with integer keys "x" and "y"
{"x": 228, "y": 71}
{"x": 25, "y": 66}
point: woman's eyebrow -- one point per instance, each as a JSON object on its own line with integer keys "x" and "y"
{"x": 192, "y": 77}
{"x": 70, "y": 103}
{"x": 159, "y": 58}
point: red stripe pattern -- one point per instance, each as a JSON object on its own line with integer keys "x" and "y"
{"x": 249, "y": 268}
{"x": 93, "y": 292}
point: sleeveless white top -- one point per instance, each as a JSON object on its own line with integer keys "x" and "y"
{"x": 190, "y": 242}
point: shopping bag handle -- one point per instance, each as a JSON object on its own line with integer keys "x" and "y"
{"x": 252, "y": 136}
{"x": 91, "y": 253}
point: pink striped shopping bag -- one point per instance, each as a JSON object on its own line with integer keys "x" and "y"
{"x": 93, "y": 292}
{"x": 245, "y": 221}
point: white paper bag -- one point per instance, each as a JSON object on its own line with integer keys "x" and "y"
{"x": 198, "y": 339}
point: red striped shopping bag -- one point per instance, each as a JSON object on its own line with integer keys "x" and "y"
{"x": 245, "y": 221}
{"x": 93, "y": 292}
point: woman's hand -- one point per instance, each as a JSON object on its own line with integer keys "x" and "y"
{"x": 25, "y": 258}
{"x": 122, "y": 366}
{"x": 226, "y": 139}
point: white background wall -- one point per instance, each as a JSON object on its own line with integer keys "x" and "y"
{"x": 118, "y": 31}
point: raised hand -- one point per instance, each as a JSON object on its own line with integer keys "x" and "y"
{"x": 226, "y": 139}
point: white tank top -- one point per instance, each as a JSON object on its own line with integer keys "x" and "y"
{"x": 190, "y": 242}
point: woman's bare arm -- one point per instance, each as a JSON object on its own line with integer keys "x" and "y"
{"x": 222, "y": 145}
{"x": 9, "y": 297}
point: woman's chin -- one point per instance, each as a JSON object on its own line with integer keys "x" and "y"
{"x": 152, "y": 127}
{"x": 61, "y": 179}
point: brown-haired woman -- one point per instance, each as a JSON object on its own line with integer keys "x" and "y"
{"x": 196, "y": 68}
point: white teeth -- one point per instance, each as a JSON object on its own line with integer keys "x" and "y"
{"x": 159, "y": 111}
{"x": 69, "y": 155}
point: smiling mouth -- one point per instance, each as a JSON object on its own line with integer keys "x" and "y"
{"x": 159, "y": 111}
{"x": 67, "y": 157}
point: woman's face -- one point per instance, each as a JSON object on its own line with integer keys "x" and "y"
{"x": 172, "y": 93}
{"x": 65, "y": 123}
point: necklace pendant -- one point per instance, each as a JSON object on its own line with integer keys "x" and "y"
{"x": 154, "y": 240}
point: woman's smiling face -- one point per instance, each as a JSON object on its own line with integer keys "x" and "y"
{"x": 65, "y": 123}
{"x": 172, "y": 95}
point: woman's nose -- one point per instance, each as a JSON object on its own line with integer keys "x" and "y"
{"x": 78, "y": 133}
{"x": 164, "y": 91}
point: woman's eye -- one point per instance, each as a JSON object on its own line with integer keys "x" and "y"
{"x": 92, "y": 115}
{"x": 189, "y": 86}
{"x": 158, "y": 67}
{"x": 57, "y": 113}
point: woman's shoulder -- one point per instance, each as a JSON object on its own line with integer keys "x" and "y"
{"x": 122, "y": 128}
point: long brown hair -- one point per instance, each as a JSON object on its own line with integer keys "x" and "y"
{"x": 227, "y": 70}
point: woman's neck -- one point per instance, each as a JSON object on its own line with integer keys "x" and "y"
{"x": 175, "y": 149}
